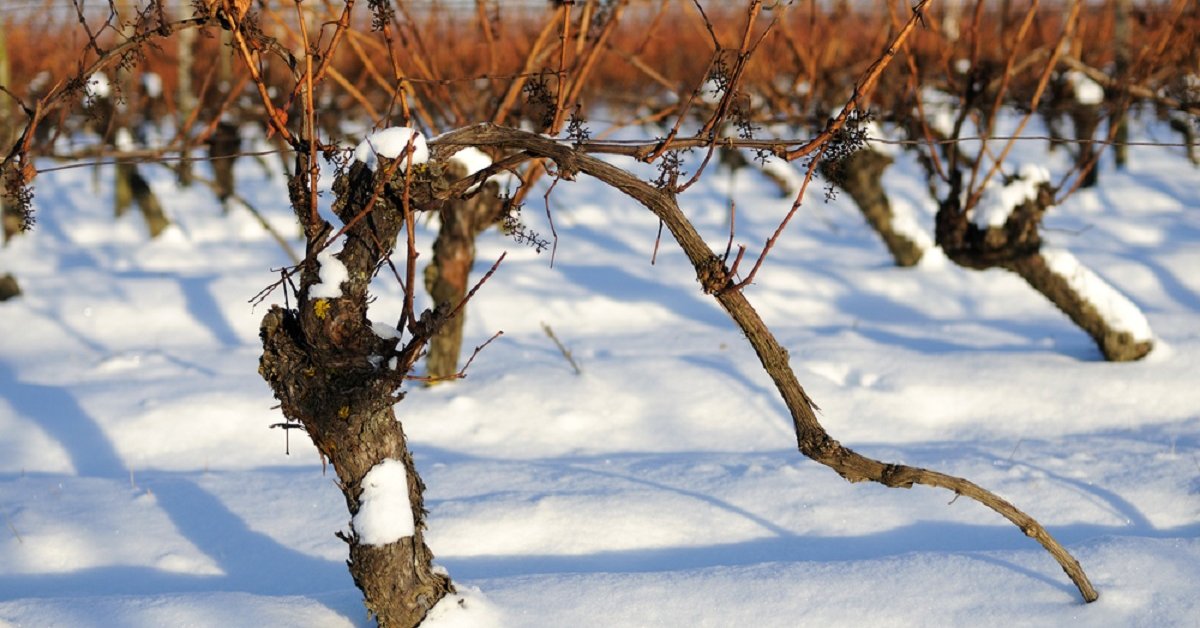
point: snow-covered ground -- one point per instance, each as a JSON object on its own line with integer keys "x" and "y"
{"x": 140, "y": 484}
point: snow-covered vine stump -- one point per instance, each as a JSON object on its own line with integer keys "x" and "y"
{"x": 1002, "y": 231}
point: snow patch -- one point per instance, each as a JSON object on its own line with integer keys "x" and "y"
{"x": 1119, "y": 312}
{"x": 384, "y": 330}
{"x": 123, "y": 140}
{"x": 878, "y": 140}
{"x": 1087, "y": 91}
{"x": 474, "y": 160}
{"x": 940, "y": 109}
{"x": 905, "y": 223}
{"x": 466, "y": 608}
{"x": 384, "y": 513}
{"x": 153, "y": 84}
{"x": 98, "y": 86}
{"x": 999, "y": 200}
{"x": 783, "y": 171}
{"x": 391, "y": 143}
{"x": 333, "y": 272}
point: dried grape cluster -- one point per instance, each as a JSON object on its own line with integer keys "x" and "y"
{"x": 512, "y": 226}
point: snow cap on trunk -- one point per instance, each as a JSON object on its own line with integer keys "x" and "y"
{"x": 1117, "y": 311}
{"x": 1087, "y": 91}
{"x": 332, "y": 273}
{"x": 999, "y": 200}
{"x": 391, "y": 143}
{"x": 384, "y": 510}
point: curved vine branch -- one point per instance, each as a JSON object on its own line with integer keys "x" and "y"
{"x": 715, "y": 278}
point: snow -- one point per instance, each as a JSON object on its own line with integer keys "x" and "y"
{"x": 391, "y": 143}
{"x": 783, "y": 170}
{"x": 906, "y": 223}
{"x": 123, "y": 140}
{"x": 474, "y": 160}
{"x": 940, "y": 109}
{"x": 153, "y": 84}
{"x": 98, "y": 86}
{"x": 332, "y": 273}
{"x": 1118, "y": 311}
{"x": 384, "y": 330}
{"x": 1087, "y": 91}
{"x": 466, "y": 608}
{"x": 140, "y": 484}
{"x": 384, "y": 511}
{"x": 883, "y": 143}
{"x": 999, "y": 199}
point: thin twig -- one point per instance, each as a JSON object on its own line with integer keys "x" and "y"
{"x": 462, "y": 373}
{"x": 566, "y": 353}
{"x": 14, "y": 529}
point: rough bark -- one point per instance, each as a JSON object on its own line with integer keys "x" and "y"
{"x": 1086, "y": 119}
{"x": 1016, "y": 247}
{"x": 10, "y": 220}
{"x": 716, "y": 280}
{"x": 1121, "y": 41}
{"x": 146, "y": 199}
{"x": 9, "y": 288}
{"x": 223, "y": 147}
{"x": 185, "y": 98}
{"x": 447, "y": 277}
{"x": 336, "y": 377}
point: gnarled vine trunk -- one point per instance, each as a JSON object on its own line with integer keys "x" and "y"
{"x": 333, "y": 374}
{"x": 447, "y": 277}
{"x": 1017, "y": 246}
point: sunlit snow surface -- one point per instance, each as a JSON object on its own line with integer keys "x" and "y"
{"x": 140, "y": 484}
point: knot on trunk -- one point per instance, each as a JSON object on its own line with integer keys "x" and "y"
{"x": 713, "y": 275}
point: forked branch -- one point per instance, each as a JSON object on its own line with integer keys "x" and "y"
{"x": 715, "y": 277}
